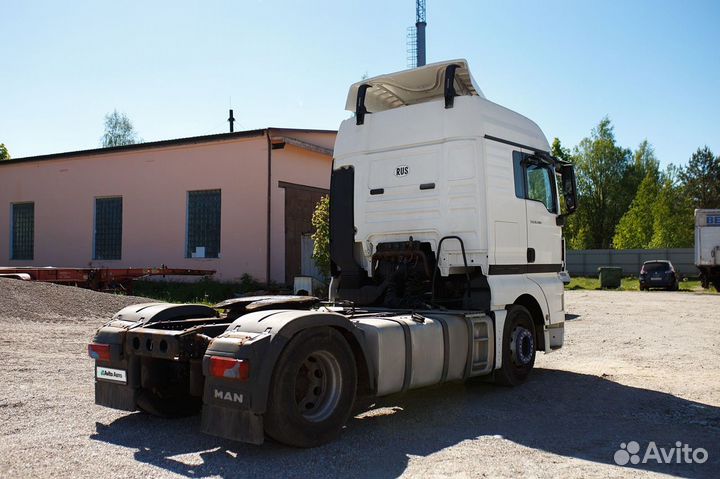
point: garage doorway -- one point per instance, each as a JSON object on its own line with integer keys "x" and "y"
{"x": 300, "y": 201}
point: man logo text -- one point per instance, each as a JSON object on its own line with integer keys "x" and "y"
{"x": 228, "y": 396}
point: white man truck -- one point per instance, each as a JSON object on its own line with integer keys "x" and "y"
{"x": 446, "y": 244}
{"x": 707, "y": 247}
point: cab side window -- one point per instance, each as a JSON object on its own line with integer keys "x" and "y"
{"x": 519, "y": 174}
{"x": 534, "y": 181}
{"x": 540, "y": 185}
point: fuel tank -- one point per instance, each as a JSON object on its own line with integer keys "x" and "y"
{"x": 409, "y": 351}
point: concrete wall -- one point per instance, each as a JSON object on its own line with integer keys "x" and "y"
{"x": 154, "y": 183}
{"x": 586, "y": 262}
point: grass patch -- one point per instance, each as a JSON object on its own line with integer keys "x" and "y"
{"x": 630, "y": 284}
{"x": 206, "y": 291}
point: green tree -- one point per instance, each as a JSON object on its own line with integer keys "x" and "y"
{"x": 4, "y": 154}
{"x": 559, "y": 151}
{"x": 701, "y": 179}
{"x": 661, "y": 215}
{"x": 321, "y": 236}
{"x": 118, "y": 131}
{"x": 673, "y": 219}
{"x": 635, "y": 229}
{"x": 644, "y": 162}
{"x": 601, "y": 166}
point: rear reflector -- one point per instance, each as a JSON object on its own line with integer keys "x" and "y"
{"x": 99, "y": 352}
{"x": 229, "y": 368}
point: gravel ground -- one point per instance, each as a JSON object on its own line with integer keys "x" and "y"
{"x": 635, "y": 367}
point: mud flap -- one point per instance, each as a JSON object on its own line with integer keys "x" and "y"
{"x": 235, "y": 424}
{"x": 116, "y": 396}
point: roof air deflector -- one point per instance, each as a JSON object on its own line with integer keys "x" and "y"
{"x": 409, "y": 87}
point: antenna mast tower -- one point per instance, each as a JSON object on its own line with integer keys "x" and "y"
{"x": 416, "y": 37}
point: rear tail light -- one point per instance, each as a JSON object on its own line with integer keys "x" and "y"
{"x": 229, "y": 368}
{"x": 99, "y": 352}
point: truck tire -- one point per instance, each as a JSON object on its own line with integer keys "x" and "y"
{"x": 519, "y": 347}
{"x": 312, "y": 390}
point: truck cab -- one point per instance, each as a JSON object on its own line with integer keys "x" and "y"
{"x": 440, "y": 197}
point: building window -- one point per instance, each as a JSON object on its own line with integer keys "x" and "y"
{"x": 203, "y": 224}
{"x": 108, "y": 228}
{"x": 22, "y": 241}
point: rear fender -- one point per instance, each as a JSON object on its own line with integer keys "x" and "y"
{"x": 155, "y": 312}
{"x": 261, "y": 337}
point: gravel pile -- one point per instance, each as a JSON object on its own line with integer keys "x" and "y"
{"x": 33, "y": 301}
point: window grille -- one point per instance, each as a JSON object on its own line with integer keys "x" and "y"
{"x": 203, "y": 224}
{"x": 23, "y": 231}
{"x": 108, "y": 228}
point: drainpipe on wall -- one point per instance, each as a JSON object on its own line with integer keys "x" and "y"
{"x": 269, "y": 202}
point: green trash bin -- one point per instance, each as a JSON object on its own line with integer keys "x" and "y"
{"x": 610, "y": 276}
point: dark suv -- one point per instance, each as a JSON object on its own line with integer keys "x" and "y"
{"x": 658, "y": 274}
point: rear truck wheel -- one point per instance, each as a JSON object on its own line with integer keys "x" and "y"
{"x": 518, "y": 356}
{"x": 312, "y": 389}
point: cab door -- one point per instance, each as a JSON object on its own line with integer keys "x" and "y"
{"x": 544, "y": 236}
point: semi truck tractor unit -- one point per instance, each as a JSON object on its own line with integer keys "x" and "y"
{"x": 446, "y": 215}
{"x": 707, "y": 247}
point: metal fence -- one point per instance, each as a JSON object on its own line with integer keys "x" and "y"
{"x": 586, "y": 262}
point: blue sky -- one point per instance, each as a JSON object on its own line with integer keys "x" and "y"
{"x": 173, "y": 66}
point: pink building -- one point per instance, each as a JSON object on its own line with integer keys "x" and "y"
{"x": 235, "y": 202}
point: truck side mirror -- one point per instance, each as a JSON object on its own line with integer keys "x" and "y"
{"x": 569, "y": 187}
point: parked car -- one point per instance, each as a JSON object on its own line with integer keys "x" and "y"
{"x": 658, "y": 274}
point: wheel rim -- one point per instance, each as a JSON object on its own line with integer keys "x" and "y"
{"x": 318, "y": 386}
{"x": 522, "y": 346}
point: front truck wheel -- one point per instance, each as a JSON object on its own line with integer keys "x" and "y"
{"x": 519, "y": 347}
{"x": 312, "y": 390}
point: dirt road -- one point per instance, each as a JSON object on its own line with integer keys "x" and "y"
{"x": 635, "y": 367}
